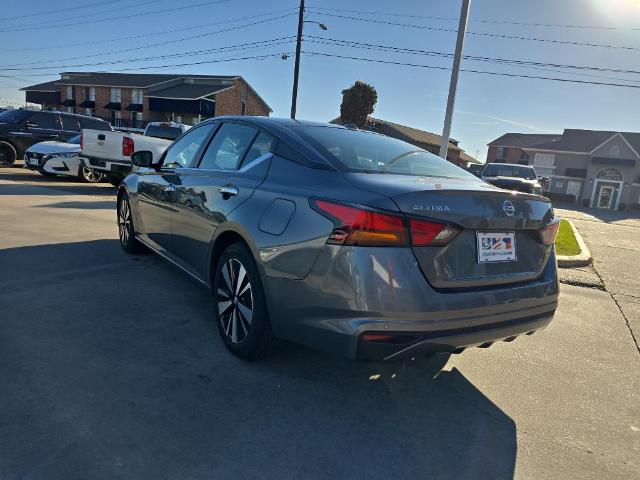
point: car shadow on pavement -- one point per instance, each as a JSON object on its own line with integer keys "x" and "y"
{"x": 91, "y": 205}
{"x": 113, "y": 368}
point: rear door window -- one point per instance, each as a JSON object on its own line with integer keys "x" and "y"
{"x": 94, "y": 124}
{"x": 46, "y": 121}
{"x": 228, "y": 147}
{"x": 263, "y": 143}
{"x": 70, "y": 124}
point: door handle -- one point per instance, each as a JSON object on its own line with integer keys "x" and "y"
{"x": 228, "y": 191}
{"x": 170, "y": 188}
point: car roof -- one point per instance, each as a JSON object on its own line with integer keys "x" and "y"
{"x": 284, "y": 122}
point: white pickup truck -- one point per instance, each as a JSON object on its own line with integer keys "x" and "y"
{"x": 110, "y": 152}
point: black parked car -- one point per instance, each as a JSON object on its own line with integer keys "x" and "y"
{"x": 21, "y": 128}
{"x": 521, "y": 178}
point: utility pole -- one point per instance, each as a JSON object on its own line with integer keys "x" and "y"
{"x": 296, "y": 68}
{"x": 462, "y": 29}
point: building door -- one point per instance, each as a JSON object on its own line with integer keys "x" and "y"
{"x": 606, "y": 197}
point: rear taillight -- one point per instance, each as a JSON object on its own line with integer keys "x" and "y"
{"x": 363, "y": 227}
{"x": 549, "y": 233}
{"x": 127, "y": 147}
{"x": 81, "y": 140}
{"x": 425, "y": 233}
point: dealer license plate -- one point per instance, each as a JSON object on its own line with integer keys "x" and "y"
{"x": 496, "y": 247}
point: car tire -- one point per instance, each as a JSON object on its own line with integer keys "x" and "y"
{"x": 90, "y": 176}
{"x": 126, "y": 230}
{"x": 241, "y": 308}
{"x": 8, "y": 154}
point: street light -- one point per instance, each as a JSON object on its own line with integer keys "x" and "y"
{"x": 296, "y": 68}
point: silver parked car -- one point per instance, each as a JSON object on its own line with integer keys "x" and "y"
{"x": 342, "y": 240}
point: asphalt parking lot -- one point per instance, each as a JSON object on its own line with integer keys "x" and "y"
{"x": 113, "y": 368}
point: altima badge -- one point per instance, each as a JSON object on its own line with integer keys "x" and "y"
{"x": 431, "y": 208}
{"x": 508, "y": 208}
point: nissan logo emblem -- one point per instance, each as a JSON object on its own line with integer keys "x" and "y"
{"x": 508, "y": 208}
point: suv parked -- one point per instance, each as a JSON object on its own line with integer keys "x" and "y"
{"x": 22, "y": 128}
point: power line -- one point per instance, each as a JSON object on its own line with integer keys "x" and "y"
{"x": 505, "y": 22}
{"x": 434, "y": 67}
{"x": 484, "y": 34}
{"x": 120, "y": 17}
{"x": 159, "y": 44}
{"x": 33, "y": 26}
{"x": 61, "y": 10}
{"x": 140, "y": 35}
{"x": 191, "y": 53}
{"x": 513, "y": 62}
{"x": 203, "y": 62}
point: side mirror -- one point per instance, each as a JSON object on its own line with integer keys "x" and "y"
{"x": 143, "y": 158}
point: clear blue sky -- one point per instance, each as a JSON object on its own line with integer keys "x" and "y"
{"x": 486, "y": 107}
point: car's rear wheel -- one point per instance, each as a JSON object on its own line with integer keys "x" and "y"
{"x": 126, "y": 230}
{"x": 8, "y": 154}
{"x": 241, "y": 309}
{"x": 90, "y": 176}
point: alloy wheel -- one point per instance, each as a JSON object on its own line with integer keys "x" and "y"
{"x": 235, "y": 301}
{"x": 91, "y": 176}
{"x": 124, "y": 222}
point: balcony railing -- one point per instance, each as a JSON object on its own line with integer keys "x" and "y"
{"x": 125, "y": 122}
{"x": 544, "y": 170}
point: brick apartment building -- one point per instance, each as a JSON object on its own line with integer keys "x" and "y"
{"x": 599, "y": 169}
{"x": 133, "y": 100}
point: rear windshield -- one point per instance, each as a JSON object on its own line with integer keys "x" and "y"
{"x": 168, "y": 133}
{"x": 361, "y": 151}
{"x": 518, "y": 171}
{"x": 14, "y": 116}
{"x": 75, "y": 140}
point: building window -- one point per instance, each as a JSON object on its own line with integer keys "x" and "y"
{"x": 69, "y": 92}
{"x": 543, "y": 163}
{"x": 614, "y": 151}
{"x": 244, "y": 108}
{"x": 501, "y": 153}
{"x": 136, "y": 96}
{"x": 91, "y": 94}
{"x": 116, "y": 95}
{"x": 88, "y": 112}
{"x": 524, "y": 158}
{"x": 68, "y": 109}
{"x": 134, "y": 119}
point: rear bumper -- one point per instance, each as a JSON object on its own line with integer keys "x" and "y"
{"x": 356, "y": 290}
{"x": 114, "y": 168}
{"x": 451, "y": 341}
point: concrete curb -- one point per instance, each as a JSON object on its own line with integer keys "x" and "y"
{"x": 572, "y": 261}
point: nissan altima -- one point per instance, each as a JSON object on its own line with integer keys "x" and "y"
{"x": 342, "y": 240}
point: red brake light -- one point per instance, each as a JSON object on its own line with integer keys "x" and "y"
{"x": 359, "y": 226}
{"x": 127, "y": 147}
{"x": 355, "y": 226}
{"x": 549, "y": 233}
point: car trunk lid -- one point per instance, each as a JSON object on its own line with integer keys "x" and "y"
{"x": 475, "y": 207}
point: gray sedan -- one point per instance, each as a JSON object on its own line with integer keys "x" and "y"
{"x": 343, "y": 240}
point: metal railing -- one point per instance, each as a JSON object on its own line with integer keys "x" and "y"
{"x": 544, "y": 170}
